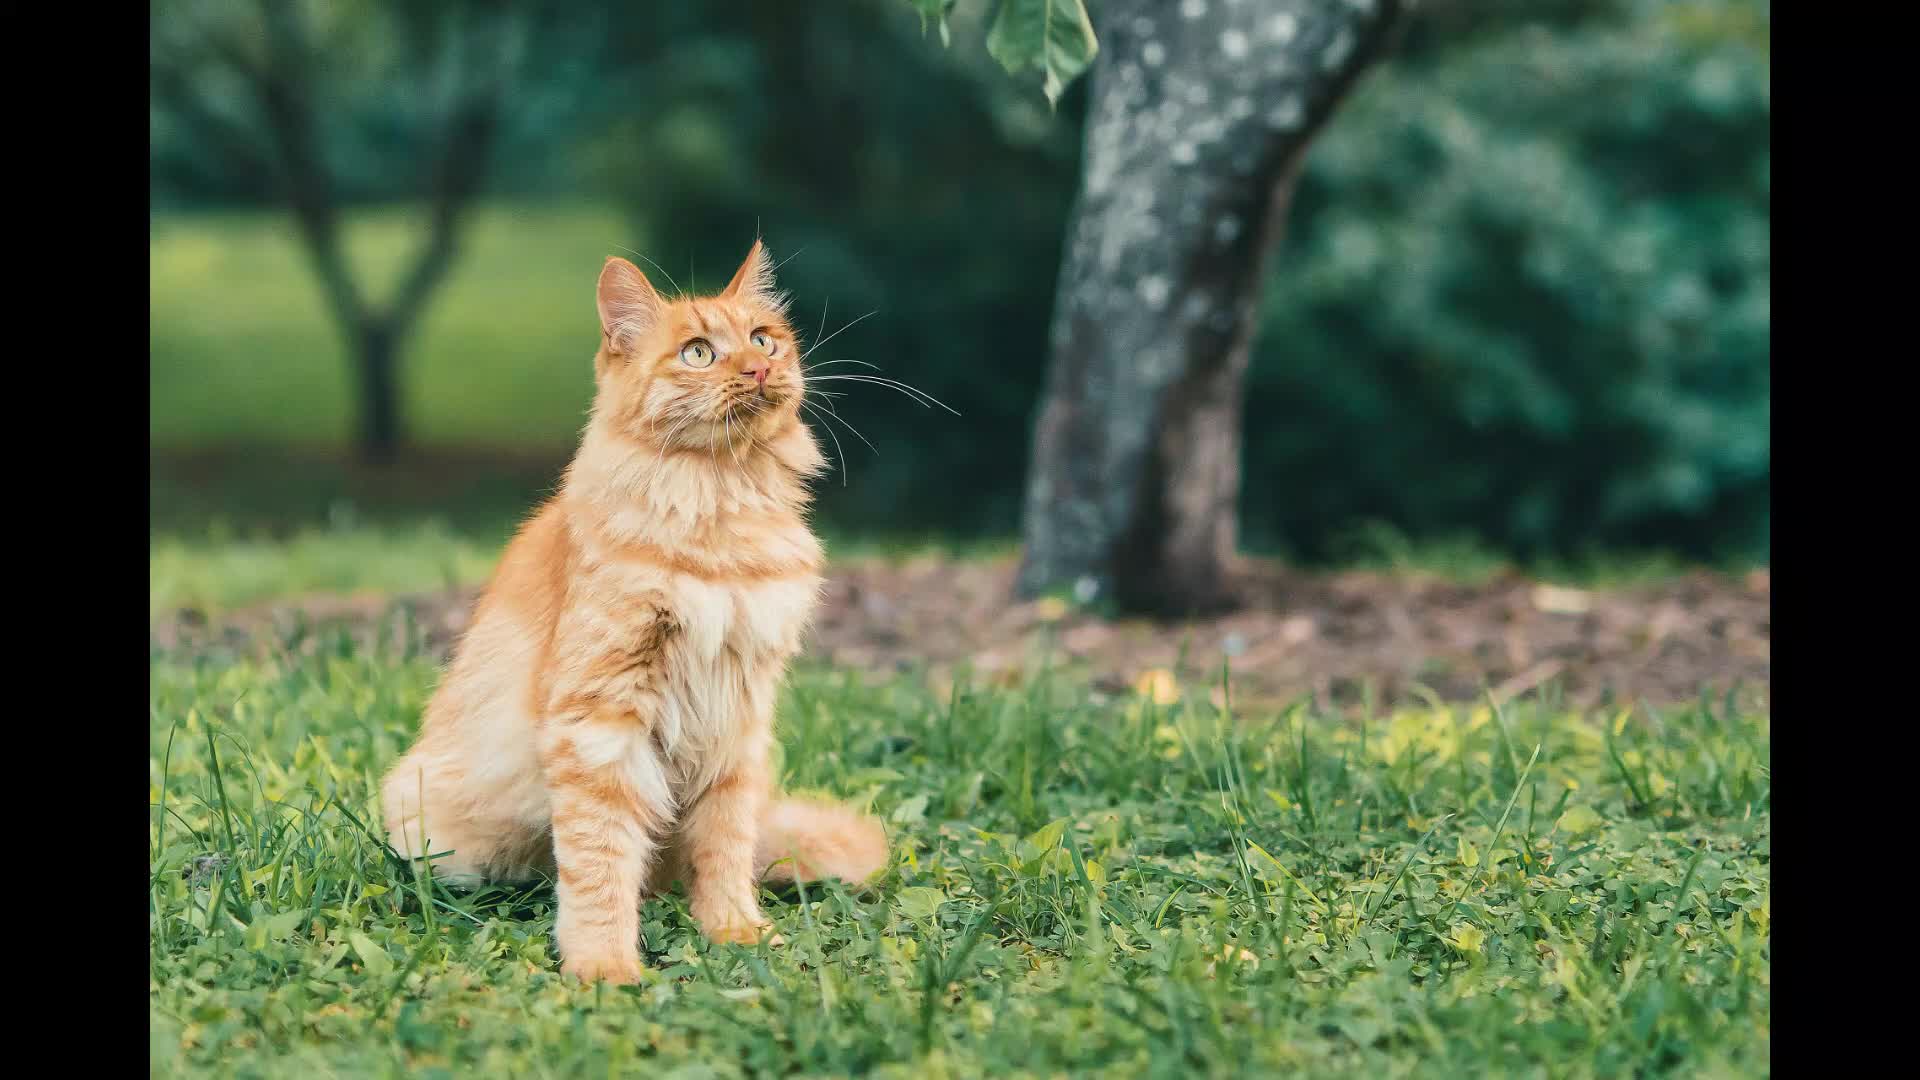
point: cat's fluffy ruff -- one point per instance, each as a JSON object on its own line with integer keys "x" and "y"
{"x": 608, "y": 714}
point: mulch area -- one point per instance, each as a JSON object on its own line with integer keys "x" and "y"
{"x": 1297, "y": 633}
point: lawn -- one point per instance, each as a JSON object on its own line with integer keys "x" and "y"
{"x": 242, "y": 350}
{"x": 1081, "y": 882}
{"x": 1084, "y": 879}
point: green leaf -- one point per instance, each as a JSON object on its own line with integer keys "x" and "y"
{"x": 911, "y": 811}
{"x": 175, "y": 855}
{"x": 1467, "y": 938}
{"x": 1053, "y": 36}
{"x": 327, "y": 963}
{"x": 935, "y": 10}
{"x": 920, "y": 902}
{"x": 1469, "y": 855}
{"x": 1269, "y": 869}
{"x": 1580, "y": 819}
{"x": 286, "y": 923}
{"x": 1043, "y": 840}
{"x": 371, "y": 954}
{"x": 1382, "y": 946}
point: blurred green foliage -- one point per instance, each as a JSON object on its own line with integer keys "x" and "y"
{"x": 893, "y": 176}
{"x": 1524, "y": 294}
{"x": 1527, "y": 293}
{"x": 385, "y": 73}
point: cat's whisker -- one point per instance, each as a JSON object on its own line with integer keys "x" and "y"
{"x": 841, "y": 464}
{"x": 663, "y": 270}
{"x": 830, "y": 363}
{"x": 713, "y": 436}
{"x": 663, "y": 441}
{"x": 756, "y": 408}
{"x": 835, "y": 334}
{"x": 913, "y": 392}
{"x": 728, "y": 418}
{"x": 829, "y": 414}
{"x": 666, "y": 444}
{"x": 686, "y": 418}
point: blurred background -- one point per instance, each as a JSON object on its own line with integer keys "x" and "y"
{"x": 1520, "y": 311}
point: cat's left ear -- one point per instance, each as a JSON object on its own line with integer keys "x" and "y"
{"x": 754, "y": 280}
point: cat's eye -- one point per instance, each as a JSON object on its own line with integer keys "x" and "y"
{"x": 696, "y": 353}
{"x": 764, "y": 342}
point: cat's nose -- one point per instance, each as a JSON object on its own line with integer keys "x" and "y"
{"x": 757, "y": 372}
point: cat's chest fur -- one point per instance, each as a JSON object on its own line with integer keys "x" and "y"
{"x": 730, "y": 647}
{"x": 758, "y": 621}
{"x": 713, "y": 565}
{"x": 736, "y": 594}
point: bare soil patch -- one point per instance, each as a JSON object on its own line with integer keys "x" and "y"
{"x": 1298, "y": 633}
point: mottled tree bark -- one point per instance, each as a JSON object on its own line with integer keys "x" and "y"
{"x": 1199, "y": 115}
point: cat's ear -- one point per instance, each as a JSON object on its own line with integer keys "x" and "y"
{"x": 754, "y": 280}
{"x": 629, "y": 306}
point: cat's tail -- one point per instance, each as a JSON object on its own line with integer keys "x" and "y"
{"x": 807, "y": 840}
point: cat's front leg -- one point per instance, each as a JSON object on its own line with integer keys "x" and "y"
{"x": 607, "y": 781}
{"x": 718, "y": 836}
{"x": 611, "y": 804}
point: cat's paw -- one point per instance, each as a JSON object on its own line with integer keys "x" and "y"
{"x": 730, "y": 920}
{"x": 616, "y": 970}
{"x": 740, "y": 931}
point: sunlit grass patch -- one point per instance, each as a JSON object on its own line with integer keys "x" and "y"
{"x": 1082, "y": 882}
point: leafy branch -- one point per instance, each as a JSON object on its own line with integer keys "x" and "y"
{"x": 1054, "y": 37}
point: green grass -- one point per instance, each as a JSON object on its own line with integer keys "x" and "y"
{"x": 217, "y": 569}
{"x": 221, "y": 574}
{"x": 1080, "y": 885}
{"x": 243, "y": 351}
{"x": 231, "y": 529}
{"x": 220, "y": 565}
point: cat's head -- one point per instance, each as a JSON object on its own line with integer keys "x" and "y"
{"x": 696, "y": 372}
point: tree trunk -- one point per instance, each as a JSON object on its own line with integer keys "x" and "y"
{"x": 1199, "y": 114}
{"x": 380, "y": 427}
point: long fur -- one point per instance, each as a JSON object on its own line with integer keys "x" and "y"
{"x": 805, "y": 840}
{"x": 608, "y": 715}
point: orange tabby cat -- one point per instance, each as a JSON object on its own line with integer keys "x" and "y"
{"x": 609, "y": 713}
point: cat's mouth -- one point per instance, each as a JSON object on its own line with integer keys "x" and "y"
{"x": 759, "y": 399}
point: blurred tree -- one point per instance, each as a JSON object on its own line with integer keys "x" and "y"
{"x": 1523, "y": 295}
{"x": 1198, "y": 120}
{"x": 1536, "y": 318}
{"x": 252, "y": 84}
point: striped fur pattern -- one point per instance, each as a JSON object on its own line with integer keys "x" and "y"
{"x": 607, "y": 717}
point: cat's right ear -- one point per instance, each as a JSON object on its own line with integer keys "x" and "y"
{"x": 629, "y": 306}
